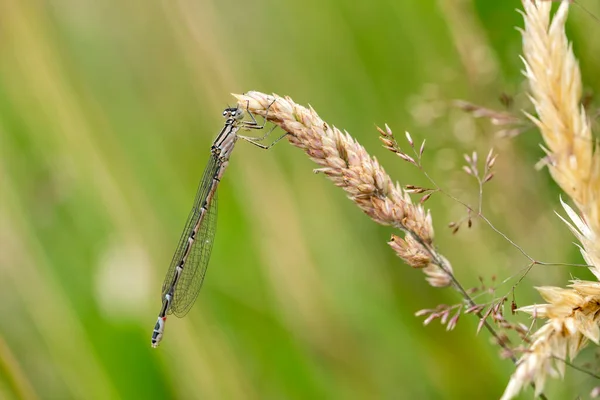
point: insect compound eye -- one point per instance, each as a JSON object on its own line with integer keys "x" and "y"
{"x": 225, "y": 113}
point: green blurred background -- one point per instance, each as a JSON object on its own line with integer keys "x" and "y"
{"x": 107, "y": 113}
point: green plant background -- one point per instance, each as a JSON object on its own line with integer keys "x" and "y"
{"x": 107, "y": 113}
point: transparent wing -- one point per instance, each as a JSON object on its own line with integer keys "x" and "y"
{"x": 193, "y": 219}
{"x": 194, "y": 271}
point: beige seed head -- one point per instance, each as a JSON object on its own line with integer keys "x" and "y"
{"x": 572, "y": 314}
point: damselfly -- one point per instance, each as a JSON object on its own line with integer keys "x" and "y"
{"x": 188, "y": 267}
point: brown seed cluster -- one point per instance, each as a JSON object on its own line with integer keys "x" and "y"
{"x": 510, "y": 124}
{"x": 348, "y": 165}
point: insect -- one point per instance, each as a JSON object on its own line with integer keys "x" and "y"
{"x": 188, "y": 267}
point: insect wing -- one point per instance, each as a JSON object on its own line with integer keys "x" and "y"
{"x": 183, "y": 247}
{"x": 193, "y": 274}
